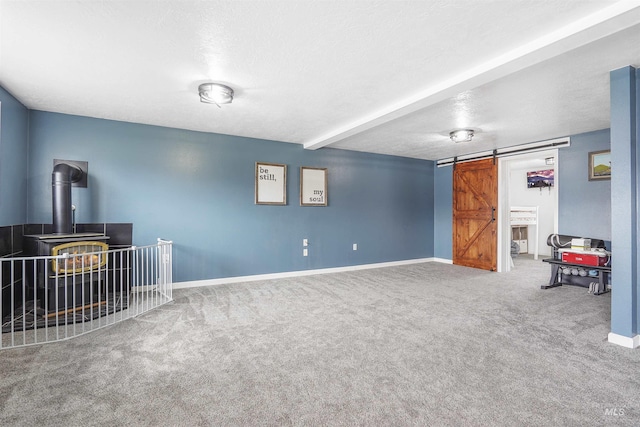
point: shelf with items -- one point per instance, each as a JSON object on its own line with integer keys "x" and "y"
{"x": 520, "y": 218}
{"x": 519, "y": 235}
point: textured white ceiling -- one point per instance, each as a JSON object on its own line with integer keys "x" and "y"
{"x": 391, "y": 77}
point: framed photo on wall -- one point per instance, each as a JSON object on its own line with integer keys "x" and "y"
{"x": 313, "y": 186}
{"x": 599, "y": 165}
{"x": 271, "y": 184}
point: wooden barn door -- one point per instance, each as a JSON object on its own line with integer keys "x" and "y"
{"x": 475, "y": 203}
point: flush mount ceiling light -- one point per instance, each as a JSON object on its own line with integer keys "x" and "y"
{"x": 215, "y": 93}
{"x": 461, "y": 135}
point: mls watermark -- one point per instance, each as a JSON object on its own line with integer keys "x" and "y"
{"x": 615, "y": 412}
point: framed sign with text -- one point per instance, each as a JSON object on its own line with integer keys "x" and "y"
{"x": 271, "y": 184}
{"x": 313, "y": 186}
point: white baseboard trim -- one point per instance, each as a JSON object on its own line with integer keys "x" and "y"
{"x": 629, "y": 342}
{"x": 442, "y": 260}
{"x": 300, "y": 273}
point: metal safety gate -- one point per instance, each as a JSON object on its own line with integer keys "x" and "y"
{"x": 53, "y": 298}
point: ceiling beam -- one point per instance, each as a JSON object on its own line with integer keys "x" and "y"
{"x": 605, "y": 22}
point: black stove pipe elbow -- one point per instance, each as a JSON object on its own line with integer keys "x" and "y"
{"x": 61, "y": 179}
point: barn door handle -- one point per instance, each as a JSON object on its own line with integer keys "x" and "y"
{"x": 493, "y": 214}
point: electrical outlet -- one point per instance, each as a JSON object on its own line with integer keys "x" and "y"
{"x": 305, "y": 242}
{"x": 355, "y": 246}
{"x": 305, "y": 252}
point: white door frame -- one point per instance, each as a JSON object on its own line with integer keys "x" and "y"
{"x": 504, "y": 227}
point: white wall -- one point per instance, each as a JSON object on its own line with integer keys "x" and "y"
{"x": 545, "y": 199}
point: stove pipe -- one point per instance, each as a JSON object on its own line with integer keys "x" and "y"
{"x": 63, "y": 175}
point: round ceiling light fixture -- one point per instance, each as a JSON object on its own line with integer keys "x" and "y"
{"x": 461, "y": 135}
{"x": 215, "y": 93}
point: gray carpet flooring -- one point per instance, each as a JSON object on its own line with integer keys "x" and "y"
{"x": 423, "y": 344}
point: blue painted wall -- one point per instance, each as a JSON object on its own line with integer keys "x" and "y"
{"x": 625, "y": 159}
{"x": 443, "y": 208}
{"x": 197, "y": 189}
{"x": 584, "y": 207}
{"x": 14, "y": 121}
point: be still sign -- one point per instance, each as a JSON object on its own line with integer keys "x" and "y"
{"x": 271, "y": 184}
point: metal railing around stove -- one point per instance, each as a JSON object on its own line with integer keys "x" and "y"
{"x": 41, "y": 304}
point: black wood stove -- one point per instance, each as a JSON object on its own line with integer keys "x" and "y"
{"x": 76, "y": 276}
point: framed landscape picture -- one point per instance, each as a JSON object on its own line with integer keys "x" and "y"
{"x": 599, "y": 165}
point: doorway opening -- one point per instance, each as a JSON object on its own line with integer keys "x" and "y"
{"x": 515, "y": 190}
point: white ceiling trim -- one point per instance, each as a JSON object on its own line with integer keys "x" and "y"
{"x": 607, "y": 21}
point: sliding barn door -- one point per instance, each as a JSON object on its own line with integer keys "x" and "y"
{"x": 475, "y": 200}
